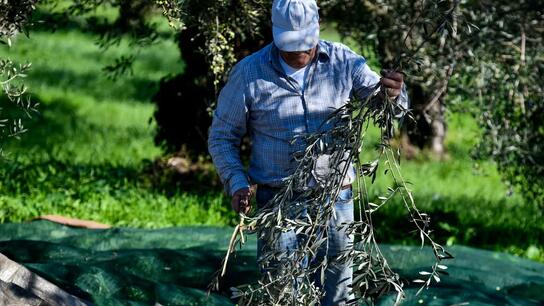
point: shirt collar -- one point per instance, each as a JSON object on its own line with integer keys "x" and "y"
{"x": 323, "y": 51}
{"x": 274, "y": 55}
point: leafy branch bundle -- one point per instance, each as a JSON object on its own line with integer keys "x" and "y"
{"x": 306, "y": 211}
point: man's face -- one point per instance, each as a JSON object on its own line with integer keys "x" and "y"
{"x": 298, "y": 59}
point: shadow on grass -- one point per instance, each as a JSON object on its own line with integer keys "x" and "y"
{"x": 46, "y": 159}
{"x": 57, "y": 130}
{"x": 79, "y": 181}
{"x": 92, "y": 84}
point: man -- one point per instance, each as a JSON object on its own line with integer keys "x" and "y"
{"x": 287, "y": 88}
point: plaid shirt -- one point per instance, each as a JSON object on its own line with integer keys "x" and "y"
{"x": 261, "y": 100}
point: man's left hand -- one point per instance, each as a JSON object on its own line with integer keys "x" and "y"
{"x": 392, "y": 82}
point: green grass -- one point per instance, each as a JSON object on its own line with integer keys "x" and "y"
{"x": 87, "y": 149}
{"x": 89, "y": 152}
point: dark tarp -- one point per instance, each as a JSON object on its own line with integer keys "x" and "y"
{"x": 173, "y": 266}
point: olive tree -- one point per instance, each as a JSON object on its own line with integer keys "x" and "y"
{"x": 502, "y": 75}
{"x": 494, "y": 61}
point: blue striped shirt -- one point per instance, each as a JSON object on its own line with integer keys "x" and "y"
{"x": 261, "y": 100}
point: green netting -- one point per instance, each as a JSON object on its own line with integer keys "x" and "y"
{"x": 173, "y": 267}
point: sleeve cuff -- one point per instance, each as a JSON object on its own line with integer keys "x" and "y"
{"x": 236, "y": 183}
{"x": 403, "y": 103}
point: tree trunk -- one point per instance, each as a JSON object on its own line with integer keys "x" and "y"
{"x": 428, "y": 128}
{"x": 132, "y": 14}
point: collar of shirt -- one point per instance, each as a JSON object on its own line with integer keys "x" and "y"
{"x": 274, "y": 55}
{"x": 288, "y": 69}
{"x": 299, "y": 75}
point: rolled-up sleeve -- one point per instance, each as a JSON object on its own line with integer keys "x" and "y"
{"x": 227, "y": 130}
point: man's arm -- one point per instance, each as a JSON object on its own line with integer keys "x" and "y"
{"x": 228, "y": 128}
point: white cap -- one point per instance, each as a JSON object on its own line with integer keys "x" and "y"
{"x": 295, "y": 24}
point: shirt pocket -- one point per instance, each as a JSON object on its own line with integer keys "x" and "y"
{"x": 277, "y": 112}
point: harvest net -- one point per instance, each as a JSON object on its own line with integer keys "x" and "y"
{"x": 174, "y": 266}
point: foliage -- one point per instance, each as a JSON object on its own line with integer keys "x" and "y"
{"x": 17, "y": 104}
{"x": 494, "y": 57}
{"x": 227, "y": 32}
{"x": 373, "y": 277}
{"x": 505, "y": 79}
{"x": 13, "y": 18}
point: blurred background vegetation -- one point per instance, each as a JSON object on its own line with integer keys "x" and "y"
{"x": 114, "y": 138}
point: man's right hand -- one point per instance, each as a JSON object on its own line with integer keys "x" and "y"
{"x": 392, "y": 82}
{"x": 241, "y": 201}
